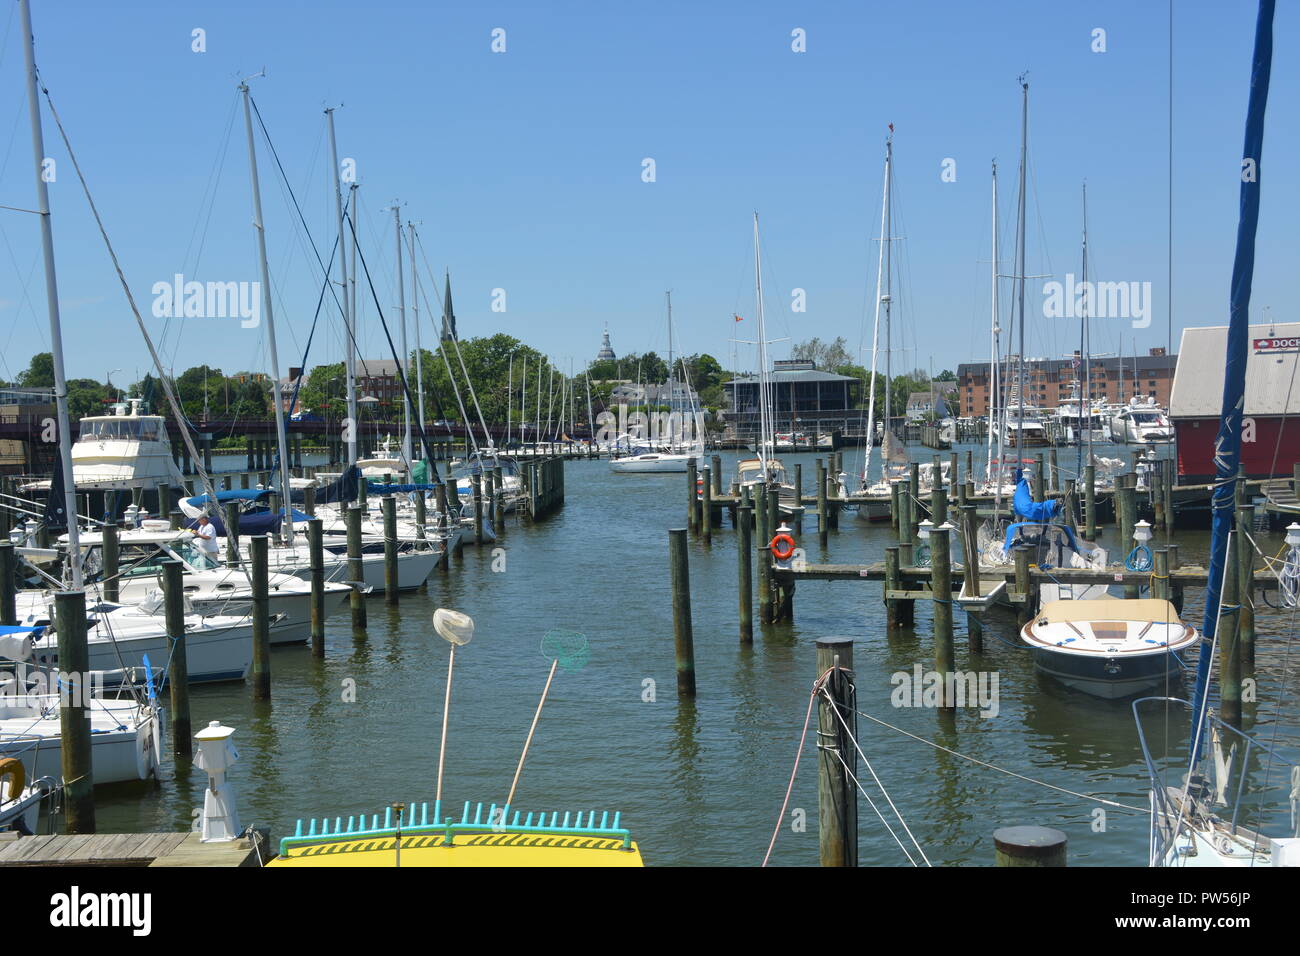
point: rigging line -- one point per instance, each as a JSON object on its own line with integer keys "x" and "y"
{"x": 401, "y": 374}
{"x": 1009, "y": 773}
{"x": 293, "y": 402}
{"x": 164, "y": 381}
{"x": 862, "y": 790}
{"x": 853, "y": 737}
{"x": 798, "y": 755}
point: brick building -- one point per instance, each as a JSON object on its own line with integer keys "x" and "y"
{"x": 1050, "y": 381}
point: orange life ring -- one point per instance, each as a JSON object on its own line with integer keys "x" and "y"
{"x": 13, "y": 769}
{"x": 781, "y": 554}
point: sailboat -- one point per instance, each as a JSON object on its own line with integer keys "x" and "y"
{"x": 766, "y": 470}
{"x": 875, "y": 498}
{"x": 674, "y": 454}
{"x": 1226, "y": 798}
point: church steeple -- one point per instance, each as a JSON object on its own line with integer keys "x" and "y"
{"x": 448, "y": 313}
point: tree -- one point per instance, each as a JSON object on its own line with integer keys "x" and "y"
{"x": 825, "y": 355}
{"x": 947, "y": 375}
{"x": 39, "y": 372}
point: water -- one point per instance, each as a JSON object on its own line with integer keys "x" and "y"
{"x": 698, "y": 782}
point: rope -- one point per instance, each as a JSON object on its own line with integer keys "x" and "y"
{"x": 798, "y": 754}
{"x": 1009, "y": 773}
{"x": 1139, "y": 559}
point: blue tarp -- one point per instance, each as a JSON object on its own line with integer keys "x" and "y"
{"x": 378, "y": 489}
{"x": 251, "y": 522}
{"x": 234, "y": 494}
{"x": 1029, "y": 509}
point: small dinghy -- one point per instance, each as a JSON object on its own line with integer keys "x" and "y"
{"x": 1109, "y": 647}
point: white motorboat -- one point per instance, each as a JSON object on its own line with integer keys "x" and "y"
{"x": 483, "y": 463}
{"x": 20, "y": 801}
{"x": 1109, "y": 647}
{"x": 1141, "y": 423}
{"x": 1024, "y": 428}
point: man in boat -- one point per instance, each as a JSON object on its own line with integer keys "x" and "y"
{"x": 205, "y": 537}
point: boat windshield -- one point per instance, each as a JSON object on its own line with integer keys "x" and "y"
{"x": 121, "y": 429}
{"x": 1147, "y": 418}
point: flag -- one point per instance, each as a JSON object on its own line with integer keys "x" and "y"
{"x": 737, "y": 318}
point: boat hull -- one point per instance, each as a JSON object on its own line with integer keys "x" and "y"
{"x": 1109, "y": 678}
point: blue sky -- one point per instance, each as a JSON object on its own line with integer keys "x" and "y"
{"x": 524, "y": 167}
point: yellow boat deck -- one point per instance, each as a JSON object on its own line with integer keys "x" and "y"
{"x": 476, "y": 849}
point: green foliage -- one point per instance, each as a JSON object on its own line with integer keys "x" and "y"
{"x": 39, "y": 372}
{"x": 825, "y": 355}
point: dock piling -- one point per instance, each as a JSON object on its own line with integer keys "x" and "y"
{"x": 258, "y": 548}
{"x": 316, "y": 549}
{"x": 837, "y": 758}
{"x": 355, "y": 572}
{"x": 74, "y": 721}
{"x": 178, "y": 678}
{"x": 683, "y": 639}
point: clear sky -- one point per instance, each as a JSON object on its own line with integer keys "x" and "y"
{"x": 525, "y": 167}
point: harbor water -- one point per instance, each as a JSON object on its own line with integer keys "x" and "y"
{"x": 699, "y": 782}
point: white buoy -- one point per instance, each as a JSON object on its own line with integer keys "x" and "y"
{"x": 216, "y": 753}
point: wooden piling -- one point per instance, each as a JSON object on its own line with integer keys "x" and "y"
{"x": 355, "y": 572}
{"x": 1029, "y": 846}
{"x": 178, "y": 678}
{"x": 388, "y": 505}
{"x": 941, "y": 591}
{"x": 316, "y": 548}
{"x": 1040, "y": 480}
{"x": 1246, "y": 588}
{"x": 232, "y": 534}
{"x": 476, "y": 486}
{"x": 1090, "y": 501}
{"x": 745, "y": 559}
{"x": 823, "y": 519}
{"x": 706, "y": 489}
{"x": 309, "y": 501}
{"x": 258, "y": 549}
{"x": 8, "y": 584}
{"x": 683, "y": 640}
{"x": 1160, "y": 574}
{"x": 74, "y": 716}
{"x": 691, "y": 493}
{"x": 1055, "y": 472}
{"x": 1024, "y": 585}
{"x": 762, "y": 535}
{"x": 837, "y": 758}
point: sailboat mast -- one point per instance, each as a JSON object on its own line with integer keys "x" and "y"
{"x": 259, "y": 227}
{"x": 510, "y": 391}
{"x": 875, "y": 339}
{"x": 350, "y": 359}
{"x": 415, "y": 321}
{"x": 1020, "y": 266}
{"x": 52, "y": 303}
{"x": 995, "y": 402}
{"x": 406, "y": 355}
{"x": 1085, "y": 345}
{"x": 889, "y": 285}
{"x": 523, "y": 400}
{"x": 764, "y": 423}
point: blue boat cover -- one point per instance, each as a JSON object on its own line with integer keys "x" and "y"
{"x": 1025, "y": 505}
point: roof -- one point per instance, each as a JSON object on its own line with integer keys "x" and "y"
{"x": 793, "y": 375}
{"x": 1272, "y": 362}
{"x": 376, "y": 368}
{"x": 1145, "y": 363}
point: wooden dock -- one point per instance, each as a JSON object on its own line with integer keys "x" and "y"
{"x": 131, "y": 849}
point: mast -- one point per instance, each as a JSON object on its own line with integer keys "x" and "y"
{"x": 889, "y": 285}
{"x": 350, "y": 358}
{"x": 995, "y": 385}
{"x": 1020, "y": 267}
{"x": 523, "y": 400}
{"x": 259, "y": 227}
{"x": 406, "y": 355}
{"x": 52, "y": 303}
{"x": 1085, "y": 345}
{"x": 510, "y": 390}
{"x": 764, "y": 418}
{"x": 672, "y": 394}
{"x": 875, "y": 339}
{"x": 415, "y": 321}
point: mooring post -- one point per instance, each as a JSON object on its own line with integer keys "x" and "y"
{"x": 941, "y": 591}
{"x": 798, "y": 496}
{"x": 717, "y": 476}
{"x": 74, "y": 717}
{"x": 9, "y": 584}
{"x": 1040, "y": 480}
{"x": 691, "y": 493}
{"x": 762, "y": 535}
{"x": 258, "y": 551}
{"x": 447, "y": 521}
{"x": 1126, "y": 507}
{"x": 178, "y": 678}
{"x": 905, "y": 531}
{"x": 971, "y": 574}
{"x": 1246, "y": 588}
{"x": 1175, "y": 589}
{"x": 1160, "y": 574}
{"x": 895, "y": 509}
{"x": 683, "y": 640}
{"x": 938, "y": 500}
{"x": 388, "y": 505}
{"x": 837, "y": 757}
{"x": 1055, "y": 470}
{"x": 232, "y": 534}
{"x": 316, "y": 550}
{"x": 355, "y": 572}
{"x": 1029, "y": 846}
{"x": 498, "y": 501}
{"x": 477, "y": 486}
{"x": 309, "y": 501}
{"x": 1068, "y": 505}
{"x": 1024, "y": 585}
{"x": 745, "y": 558}
{"x": 706, "y": 489}
{"x": 109, "y": 555}
{"x": 823, "y": 518}
{"x": 892, "y": 583}
{"x": 421, "y": 514}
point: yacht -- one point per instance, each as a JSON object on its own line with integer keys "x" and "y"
{"x": 1141, "y": 422}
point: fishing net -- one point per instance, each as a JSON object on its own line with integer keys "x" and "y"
{"x": 452, "y": 626}
{"x": 569, "y": 648}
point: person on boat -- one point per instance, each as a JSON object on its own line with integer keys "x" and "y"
{"x": 205, "y": 537}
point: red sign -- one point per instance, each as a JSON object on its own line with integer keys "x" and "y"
{"x": 1277, "y": 345}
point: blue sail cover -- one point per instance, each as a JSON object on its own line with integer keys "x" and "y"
{"x": 1025, "y": 505}
{"x": 1227, "y": 445}
{"x": 252, "y": 522}
{"x": 234, "y": 494}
